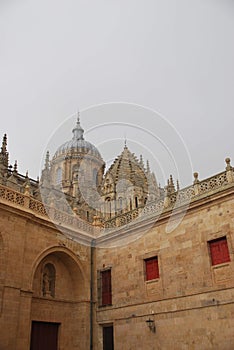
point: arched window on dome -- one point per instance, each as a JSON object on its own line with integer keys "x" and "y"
{"x": 130, "y": 204}
{"x": 75, "y": 171}
{"x": 108, "y": 206}
{"x": 59, "y": 176}
{"x": 48, "y": 280}
{"x": 120, "y": 204}
{"x": 136, "y": 202}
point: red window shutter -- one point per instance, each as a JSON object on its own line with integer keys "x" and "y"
{"x": 225, "y": 251}
{"x": 106, "y": 288}
{"x": 151, "y": 268}
{"x": 219, "y": 251}
{"x": 215, "y": 253}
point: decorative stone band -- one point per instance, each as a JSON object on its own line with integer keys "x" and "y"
{"x": 186, "y": 195}
{"x": 180, "y": 197}
{"x": 27, "y": 203}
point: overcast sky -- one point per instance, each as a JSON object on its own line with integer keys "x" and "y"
{"x": 174, "y": 57}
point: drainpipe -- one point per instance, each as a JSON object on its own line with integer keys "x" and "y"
{"x": 91, "y": 291}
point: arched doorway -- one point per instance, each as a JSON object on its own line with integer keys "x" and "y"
{"x": 60, "y": 303}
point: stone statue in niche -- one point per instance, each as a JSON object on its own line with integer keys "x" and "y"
{"x": 48, "y": 281}
{"x": 46, "y": 284}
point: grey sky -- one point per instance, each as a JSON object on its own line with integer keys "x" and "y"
{"x": 175, "y": 57}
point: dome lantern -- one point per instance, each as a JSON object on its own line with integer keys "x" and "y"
{"x": 77, "y": 145}
{"x": 78, "y": 132}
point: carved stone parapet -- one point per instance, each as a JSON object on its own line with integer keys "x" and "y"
{"x": 27, "y": 201}
{"x": 2, "y": 179}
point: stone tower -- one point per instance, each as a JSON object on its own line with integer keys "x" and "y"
{"x": 76, "y": 170}
{"x": 125, "y": 185}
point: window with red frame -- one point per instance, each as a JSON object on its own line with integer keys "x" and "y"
{"x": 151, "y": 268}
{"x": 106, "y": 295}
{"x": 219, "y": 251}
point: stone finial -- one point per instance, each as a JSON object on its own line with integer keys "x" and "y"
{"x": 195, "y": 175}
{"x": 96, "y": 221}
{"x": 177, "y": 185}
{"x": 170, "y": 185}
{"x": 45, "y": 174}
{"x": 27, "y": 190}
{"x": 147, "y": 167}
{"x": 166, "y": 198}
{"x": 47, "y": 160}
{"x": 141, "y": 161}
{"x": 75, "y": 210}
{"x": 171, "y": 181}
{"x": 228, "y": 162}
{"x": 4, "y": 157}
{"x": 4, "y": 144}
{"x": 196, "y": 184}
{"x": 15, "y": 167}
{"x": 229, "y": 170}
{"x": 27, "y": 181}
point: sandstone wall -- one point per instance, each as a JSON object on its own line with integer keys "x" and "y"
{"x": 191, "y": 302}
{"x": 27, "y": 243}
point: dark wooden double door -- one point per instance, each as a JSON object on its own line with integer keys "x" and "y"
{"x": 108, "y": 338}
{"x": 44, "y": 336}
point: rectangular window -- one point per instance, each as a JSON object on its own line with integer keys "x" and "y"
{"x": 219, "y": 251}
{"x": 151, "y": 268}
{"x": 106, "y": 296}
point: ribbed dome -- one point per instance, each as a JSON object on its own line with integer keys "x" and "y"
{"x": 126, "y": 166}
{"x": 77, "y": 144}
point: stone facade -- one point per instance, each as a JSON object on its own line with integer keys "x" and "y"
{"x": 191, "y": 302}
{"x": 29, "y": 242}
{"x": 52, "y": 260}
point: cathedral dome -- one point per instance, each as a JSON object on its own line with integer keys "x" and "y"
{"x": 77, "y": 144}
{"x": 127, "y": 167}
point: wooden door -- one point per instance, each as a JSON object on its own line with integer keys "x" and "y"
{"x": 108, "y": 339}
{"x": 44, "y": 336}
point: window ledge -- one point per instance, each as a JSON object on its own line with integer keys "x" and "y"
{"x": 213, "y": 267}
{"x": 152, "y": 281}
{"x": 105, "y": 306}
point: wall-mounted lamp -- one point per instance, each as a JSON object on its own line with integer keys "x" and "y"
{"x": 150, "y": 323}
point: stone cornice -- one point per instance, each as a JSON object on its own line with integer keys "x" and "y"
{"x": 202, "y": 193}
